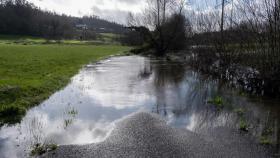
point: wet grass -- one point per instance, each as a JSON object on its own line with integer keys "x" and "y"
{"x": 29, "y": 74}
{"x": 266, "y": 137}
{"x": 265, "y": 140}
{"x": 217, "y": 102}
{"x": 243, "y": 125}
{"x": 240, "y": 112}
{"x": 40, "y": 149}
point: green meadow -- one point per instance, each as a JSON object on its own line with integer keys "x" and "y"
{"x": 30, "y": 73}
{"x": 102, "y": 39}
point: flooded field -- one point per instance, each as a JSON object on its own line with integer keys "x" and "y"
{"x": 101, "y": 94}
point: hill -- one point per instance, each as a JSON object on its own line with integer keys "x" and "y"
{"x": 19, "y": 17}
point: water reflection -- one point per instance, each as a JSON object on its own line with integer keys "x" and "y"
{"x": 85, "y": 111}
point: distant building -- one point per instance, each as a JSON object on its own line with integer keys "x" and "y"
{"x": 82, "y": 26}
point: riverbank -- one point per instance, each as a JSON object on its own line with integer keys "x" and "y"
{"x": 242, "y": 69}
{"x": 146, "y": 135}
{"x": 31, "y": 73}
{"x": 85, "y": 111}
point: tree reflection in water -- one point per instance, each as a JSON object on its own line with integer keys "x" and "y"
{"x": 85, "y": 111}
{"x": 182, "y": 95}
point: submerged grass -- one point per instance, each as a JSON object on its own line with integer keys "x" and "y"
{"x": 40, "y": 149}
{"x": 243, "y": 125}
{"x": 240, "y": 111}
{"x": 31, "y": 73}
{"x": 266, "y": 137}
{"x": 217, "y": 101}
{"x": 265, "y": 140}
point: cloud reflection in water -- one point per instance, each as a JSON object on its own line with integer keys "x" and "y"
{"x": 85, "y": 111}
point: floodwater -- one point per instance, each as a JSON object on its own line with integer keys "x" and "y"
{"x": 86, "y": 110}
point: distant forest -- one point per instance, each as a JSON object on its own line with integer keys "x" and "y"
{"x": 19, "y": 17}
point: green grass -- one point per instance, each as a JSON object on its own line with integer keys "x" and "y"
{"x": 243, "y": 125}
{"x": 264, "y": 140}
{"x": 266, "y": 137}
{"x": 104, "y": 39}
{"x": 217, "y": 101}
{"x": 31, "y": 73}
{"x": 14, "y": 39}
{"x": 108, "y": 37}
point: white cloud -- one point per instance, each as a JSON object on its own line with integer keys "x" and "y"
{"x": 113, "y": 10}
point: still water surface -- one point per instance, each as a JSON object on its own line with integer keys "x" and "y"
{"x": 85, "y": 111}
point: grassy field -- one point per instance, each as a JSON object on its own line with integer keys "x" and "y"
{"x": 31, "y": 73}
{"x": 103, "y": 39}
{"x": 109, "y": 37}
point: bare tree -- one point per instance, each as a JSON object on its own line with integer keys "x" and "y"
{"x": 250, "y": 29}
{"x": 158, "y": 18}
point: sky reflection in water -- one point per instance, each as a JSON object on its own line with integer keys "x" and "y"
{"x": 85, "y": 111}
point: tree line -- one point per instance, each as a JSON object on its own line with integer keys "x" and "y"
{"x": 246, "y": 33}
{"x": 19, "y": 17}
{"x": 224, "y": 37}
{"x": 161, "y": 28}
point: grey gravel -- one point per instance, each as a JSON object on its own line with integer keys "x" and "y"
{"x": 145, "y": 135}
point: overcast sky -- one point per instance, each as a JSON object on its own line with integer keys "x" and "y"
{"x": 113, "y": 10}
